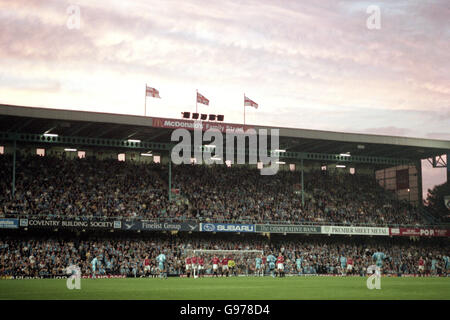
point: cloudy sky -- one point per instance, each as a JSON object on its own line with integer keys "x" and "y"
{"x": 309, "y": 64}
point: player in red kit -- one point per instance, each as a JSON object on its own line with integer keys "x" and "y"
{"x": 201, "y": 266}
{"x": 421, "y": 266}
{"x": 194, "y": 264}
{"x": 280, "y": 265}
{"x": 350, "y": 265}
{"x": 146, "y": 265}
{"x": 215, "y": 265}
{"x": 224, "y": 263}
{"x": 188, "y": 264}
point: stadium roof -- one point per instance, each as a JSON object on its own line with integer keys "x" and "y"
{"x": 32, "y": 120}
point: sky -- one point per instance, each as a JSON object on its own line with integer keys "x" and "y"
{"x": 327, "y": 65}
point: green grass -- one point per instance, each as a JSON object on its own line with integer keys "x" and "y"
{"x": 251, "y": 288}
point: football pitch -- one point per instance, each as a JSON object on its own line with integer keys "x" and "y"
{"x": 248, "y": 288}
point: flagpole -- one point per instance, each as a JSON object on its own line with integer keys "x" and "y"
{"x": 145, "y": 99}
{"x": 244, "y": 111}
{"x": 196, "y": 102}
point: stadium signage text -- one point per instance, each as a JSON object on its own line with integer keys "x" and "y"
{"x": 191, "y": 125}
{"x": 419, "y": 232}
{"x": 371, "y": 231}
{"x": 160, "y": 226}
{"x": 59, "y": 277}
{"x": 91, "y": 224}
{"x": 226, "y": 227}
{"x": 287, "y": 229}
{"x": 9, "y": 223}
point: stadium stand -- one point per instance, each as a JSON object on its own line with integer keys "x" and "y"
{"x": 53, "y": 186}
{"x": 43, "y": 255}
{"x": 47, "y": 203}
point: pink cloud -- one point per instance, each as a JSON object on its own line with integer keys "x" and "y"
{"x": 317, "y": 60}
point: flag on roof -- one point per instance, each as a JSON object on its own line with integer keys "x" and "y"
{"x": 249, "y": 102}
{"x": 201, "y": 99}
{"x": 151, "y": 92}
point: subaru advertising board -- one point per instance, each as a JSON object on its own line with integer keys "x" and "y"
{"x": 226, "y": 227}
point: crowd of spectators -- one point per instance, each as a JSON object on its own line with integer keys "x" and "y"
{"x": 32, "y": 255}
{"x": 242, "y": 194}
{"x": 58, "y": 187}
{"x": 50, "y": 186}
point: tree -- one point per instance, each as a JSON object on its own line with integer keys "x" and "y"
{"x": 435, "y": 199}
